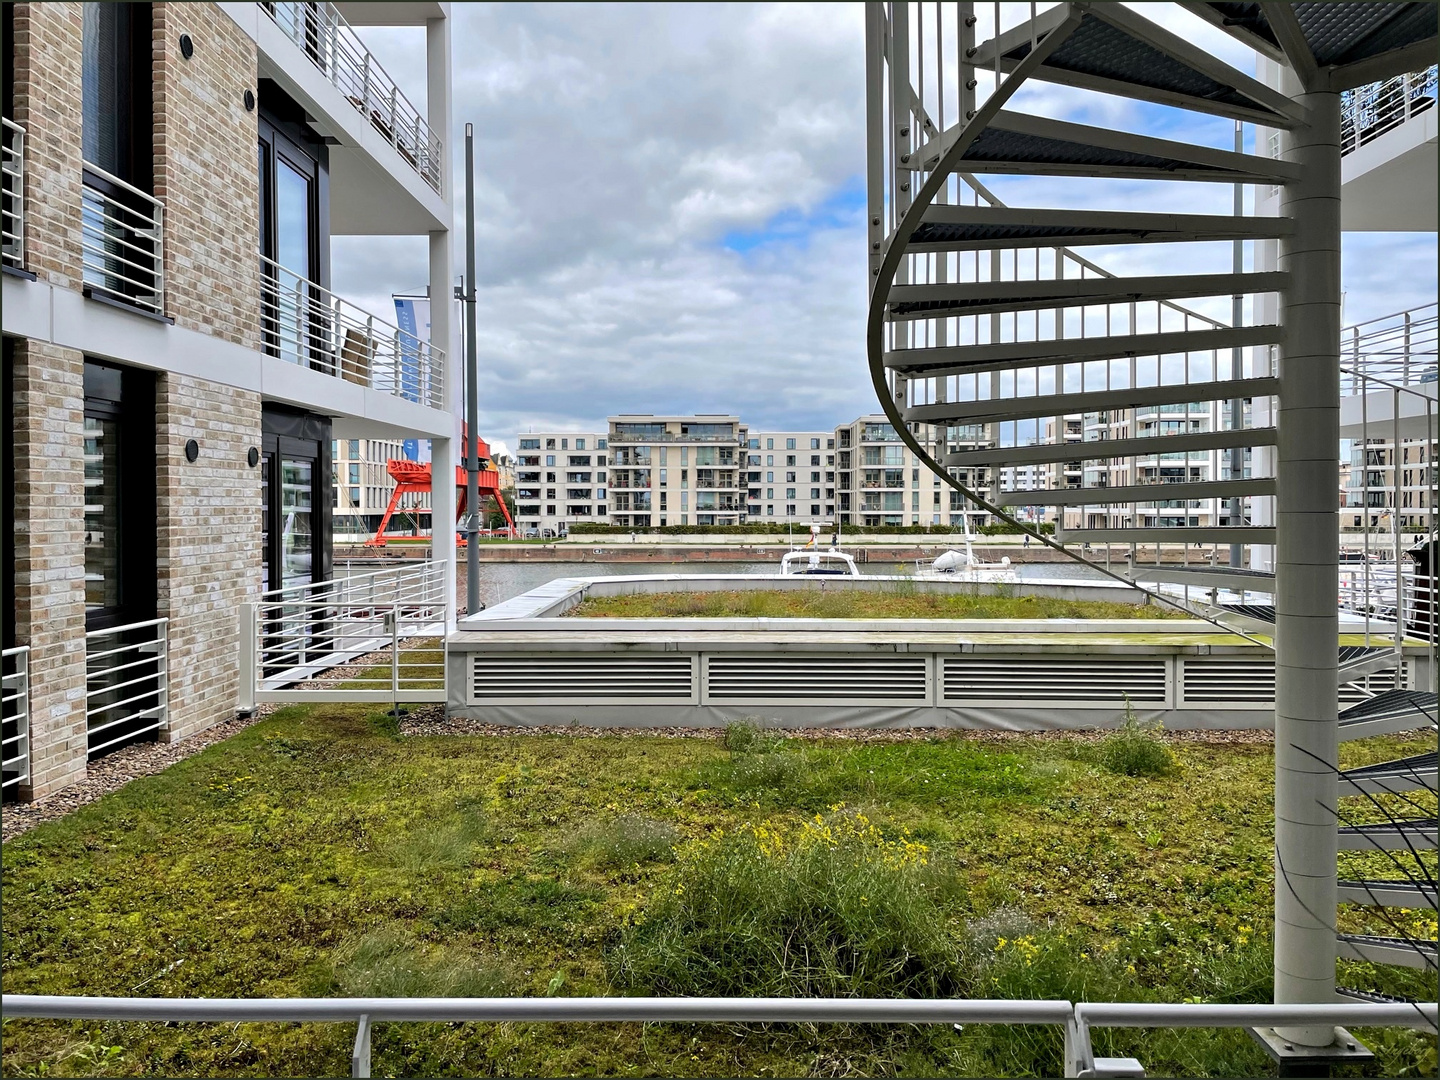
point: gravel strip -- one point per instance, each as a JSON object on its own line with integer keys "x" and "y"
{"x": 431, "y": 720}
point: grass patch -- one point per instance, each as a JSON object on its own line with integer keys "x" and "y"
{"x": 1136, "y": 749}
{"x": 314, "y": 853}
{"x": 837, "y": 602}
{"x": 832, "y": 907}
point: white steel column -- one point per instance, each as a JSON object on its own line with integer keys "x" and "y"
{"x": 1307, "y": 622}
{"x": 444, "y": 454}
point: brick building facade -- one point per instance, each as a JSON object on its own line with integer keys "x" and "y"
{"x": 172, "y": 398}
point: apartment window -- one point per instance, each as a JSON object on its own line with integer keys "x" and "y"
{"x": 564, "y": 444}
{"x": 119, "y": 499}
{"x": 550, "y": 511}
{"x": 769, "y": 511}
{"x": 815, "y": 494}
{"x": 663, "y": 481}
{"x": 790, "y": 478}
{"x": 790, "y": 494}
{"x": 790, "y": 458}
{"x": 549, "y": 444}
{"x": 769, "y": 459}
{"x": 602, "y": 444}
{"x": 115, "y": 82}
{"x": 769, "y": 493}
{"x": 353, "y": 450}
{"x": 662, "y": 455}
{"x": 684, "y": 455}
{"x": 529, "y": 444}
{"x": 769, "y": 444}
{"x": 550, "y": 458}
{"x": 814, "y": 459}
{"x": 790, "y": 444}
{"x": 769, "y": 477}
{"x": 814, "y": 477}
{"x": 354, "y": 474}
{"x": 790, "y": 510}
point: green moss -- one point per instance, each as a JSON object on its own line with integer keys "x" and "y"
{"x": 313, "y": 854}
{"x": 841, "y": 603}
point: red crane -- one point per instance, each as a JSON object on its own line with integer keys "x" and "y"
{"x": 413, "y": 478}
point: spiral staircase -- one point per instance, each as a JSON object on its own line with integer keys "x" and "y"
{"x": 986, "y": 326}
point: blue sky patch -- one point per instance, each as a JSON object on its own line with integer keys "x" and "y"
{"x": 842, "y": 209}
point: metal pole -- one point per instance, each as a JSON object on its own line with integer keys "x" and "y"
{"x": 472, "y": 392}
{"x": 1237, "y": 405}
{"x": 1306, "y": 565}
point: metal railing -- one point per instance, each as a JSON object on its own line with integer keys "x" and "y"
{"x": 331, "y": 44}
{"x": 1399, "y": 348}
{"x": 15, "y": 708}
{"x": 1367, "y": 112}
{"x": 1075, "y": 1021}
{"x": 13, "y": 169}
{"x": 306, "y": 324}
{"x": 122, "y": 241}
{"x": 314, "y": 633}
{"x": 126, "y": 683}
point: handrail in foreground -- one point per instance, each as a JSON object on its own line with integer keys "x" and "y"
{"x": 1075, "y": 1019}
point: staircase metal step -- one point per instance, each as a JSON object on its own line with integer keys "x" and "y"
{"x": 940, "y": 299}
{"x": 1139, "y": 493}
{"x": 1043, "y": 453}
{"x": 1007, "y": 355}
{"x": 1116, "y": 51}
{"x": 1389, "y": 836}
{"x": 1357, "y": 661}
{"x": 1387, "y": 950}
{"x": 1209, "y": 577}
{"x": 1188, "y": 534}
{"x": 1415, "y": 773}
{"x": 1402, "y": 894}
{"x": 1349, "y": 993}
{"x": 949, "y": 227}
{"x": 1388, "y": 713}
{"x": 1030, "y": 407}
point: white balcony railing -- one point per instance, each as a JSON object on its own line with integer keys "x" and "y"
{"x": 1398, "y": 348}
{"x": 126, "y": 683}
{"x": 121, "y": 240}
{"x": 306, "y": 324}
{"x": 1367, "y": 112}
{"x": 323, "y": 35}
{"x": 304, "y": 633}
{"x": 15, "y": 730}
{"x": 13, "y": 169}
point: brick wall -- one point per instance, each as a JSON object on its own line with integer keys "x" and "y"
{"x": 208, "y": 537}
{"x": 205, "y": 171}
{"x": 47, "y": 106}
{"x": 49, "y": 401}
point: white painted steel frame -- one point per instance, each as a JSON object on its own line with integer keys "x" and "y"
{"x": 143, "y": 669}
{"x": 122, "y": 243}
{"x": 1075, "y": 1020}
{"x": 12, "y": 169}
{"x": 15, "y": 710}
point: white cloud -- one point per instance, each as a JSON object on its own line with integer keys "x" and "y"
{"x": 617, "y": 147}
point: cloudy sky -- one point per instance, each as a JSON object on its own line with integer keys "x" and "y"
{"x": 670, "y": 207}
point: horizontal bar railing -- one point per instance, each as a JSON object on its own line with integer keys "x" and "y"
{"x": 15, "y": 709}
{"x": 1075, "y": 1021}
{"x": 12, "y": 167}
{"x": 331, "y": 44}
{"x": 126, "y": 683}
{"x": 122, "y": 233}
{"x": 303, "y": 634}
{"x": 1125, "y": 1014}
{"x": 1369, "y": 111}
{"x": 1399, "y": 348}
{"x": 306, "y": 324}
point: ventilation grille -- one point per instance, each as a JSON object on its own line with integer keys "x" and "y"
{"x": 537, "y": 679}
{"x": 1045, "y": 678}
{"x": 831, "y": 678}
{"x": 1236, "y": 681}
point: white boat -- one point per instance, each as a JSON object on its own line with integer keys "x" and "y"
{"x": 814, "y": 559}
{"x": 830, "y": 562}
{"x": 965, "y": 565}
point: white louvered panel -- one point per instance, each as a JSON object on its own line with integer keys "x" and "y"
{"x": 582, "y": 677}
{"x": 828, "y": 679}
{"x": 1251, "y": 683}
{"x": 1230, "y": 681}
{"x": 1037, "y": 677}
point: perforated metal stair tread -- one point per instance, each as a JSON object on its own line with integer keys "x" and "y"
{"x": 1345, "y": 33}
{"x": 1387, "y": 893}
{"x": 1358, "y": 660}
{"x": 1389, "y": 836}
{"x": 1096, "y": 48}
{"x": 1387, "y": 950}
{"x": 1352, "y": 994}
{"x": 1415, "y": 773}
{"x": 1387, "y": 713}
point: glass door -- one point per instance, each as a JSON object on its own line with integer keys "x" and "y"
{"x": 297, "y": 495}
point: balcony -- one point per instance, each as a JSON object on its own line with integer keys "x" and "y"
{"x": 331, "y": 44}
{"x": 1367, "y": 112}
{"x": 1397, "y": 349}
{"x": 305, "y": 324}
{"x": 13, "y": 170}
